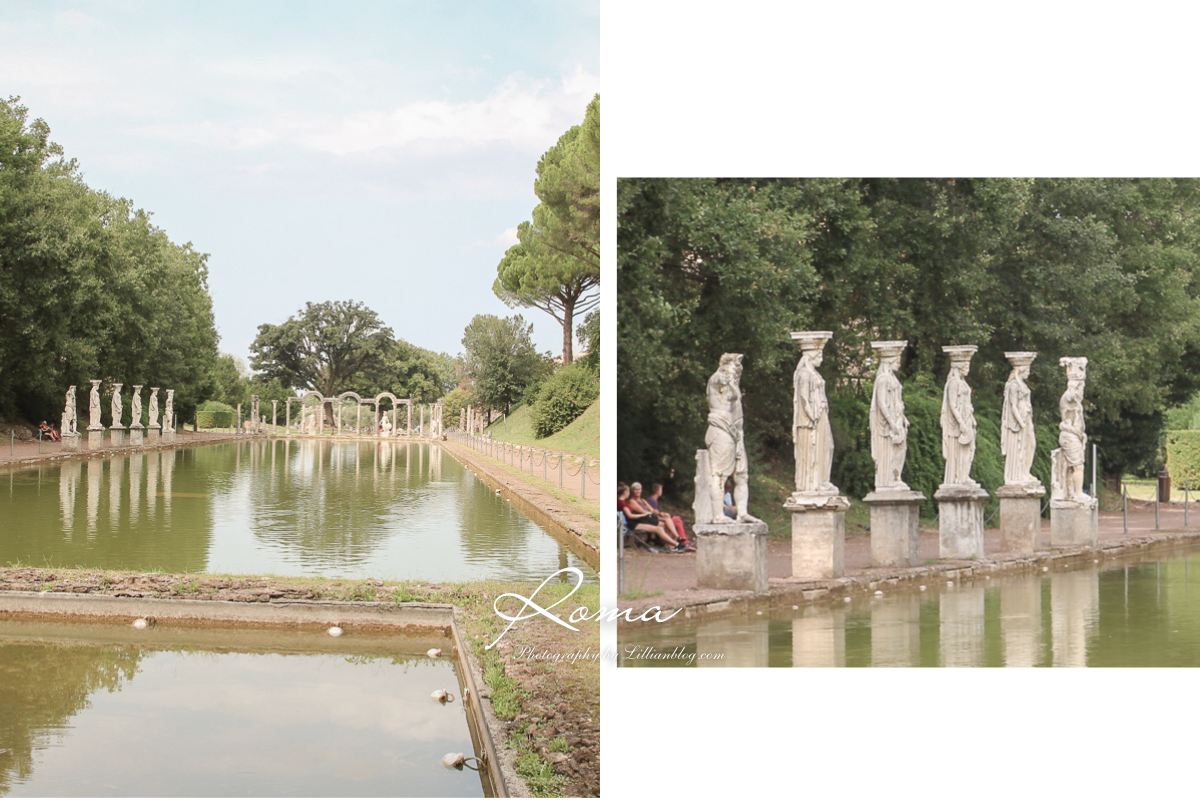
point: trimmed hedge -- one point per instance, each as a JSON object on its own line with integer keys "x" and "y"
{"x": 215, "y": 419}
{"x": 1183, "y": 457}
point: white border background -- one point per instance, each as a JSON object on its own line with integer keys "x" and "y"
{"x": 888, "y": 89}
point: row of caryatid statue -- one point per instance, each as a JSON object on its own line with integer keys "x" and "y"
{"x": 818, "y": 518}
{"x": 70, "y": 423}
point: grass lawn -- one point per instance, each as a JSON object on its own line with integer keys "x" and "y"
{"x": 581, "y": 437}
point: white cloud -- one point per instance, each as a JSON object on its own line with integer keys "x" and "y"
{"x": 507, "y": 239}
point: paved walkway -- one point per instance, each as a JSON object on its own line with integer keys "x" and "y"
{"x": 22, "y": 453}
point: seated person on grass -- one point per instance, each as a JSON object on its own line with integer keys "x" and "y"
{"x": 647, "y": 523}
{"x": 643, "y": 505}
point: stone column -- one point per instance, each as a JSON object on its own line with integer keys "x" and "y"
{"x": 116, "y": 431}
{"x": 960, "y": 499}
{"x": 153, "y": 431}
{"x": 818, "y": 508}
{"x": 1074, "y": 515}
{"x": 274, "y": 415}
{"x": 136, "y": 428}
{"x": 410, "y": 429}
{"x": 895, "y": 508}
{"x": 254, "y": 413}
{"x": 95, "y": 429}
{"x": 1020, "y": 496}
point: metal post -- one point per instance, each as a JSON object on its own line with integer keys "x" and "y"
{"x": 1156, "y": 509}
{"x": 544, "y": 457}
{"x": 583, "y": 477}
{"x": 1125, "y": 506}
{"x": 12, "y": 442}
{"x": 560, "y": 470}
{"x": 1094, "y": 494}
{"x": 1186, "y": 502}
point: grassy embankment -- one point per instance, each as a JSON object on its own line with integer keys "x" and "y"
{"x": 581, "y": 437}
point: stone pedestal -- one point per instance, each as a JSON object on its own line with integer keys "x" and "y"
{"x": 818, "y": 535}
{"x": 1020, "y": 517}
{"x": 152, "y": 436}
{"x": 95, "y": 438}
{"x": 960, "y": 521}
{"x": 135, "y": 436}
{"x": 1075, "y": 522}
{"x": 72, "y": 443}
{"x": 168, "y": 437}
{"x": 116, "y": 437}
{"x": 895, "y": 527}
{"x": 732, "y": 555}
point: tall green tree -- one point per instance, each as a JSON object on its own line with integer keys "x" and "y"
{"x": 331, "y": 347}
{"x": 555, "y": 267}
{"x": 89, "y": 288}
{"x": 499, "y": 359}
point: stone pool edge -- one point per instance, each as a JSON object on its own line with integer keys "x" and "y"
{"x": 291, "y": 614}
{"x": 584, "y": 548}
{"x": 785, "y": 592}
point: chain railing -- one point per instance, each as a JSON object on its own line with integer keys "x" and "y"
{"x": 565, "y": 469}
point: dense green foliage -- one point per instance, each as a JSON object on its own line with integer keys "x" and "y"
{"x": 1103, "y": 268}
{"x": 89, "y": 288}
{"x": 340, "y": 346}
{"x": 1183, "y": 456}
{"x": 499, "y": 361}
{"x": 556, "y": 264}
{"x": 563, "y": 397}
{"x": 215, "y": 418}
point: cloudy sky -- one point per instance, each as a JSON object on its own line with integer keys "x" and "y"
{"x": 377, "y": 151}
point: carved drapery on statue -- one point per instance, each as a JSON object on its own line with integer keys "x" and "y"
{"x": 1067, "y": 460}
{"x": 812, "y": 434}
{"x": 889, "y": 426}
{"x": 958, "y": 418}
{"x": 1018, "y": 438}
{"x": 725, "y": 440}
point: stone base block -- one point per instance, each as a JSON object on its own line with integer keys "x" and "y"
{"x": 168, "y": 437}
{"x": 153, "y": 436}
{"x": 1074, "y": 523}
{"x": 818, "y": 541}
{"x": 895, "y": 528}
{"x": 95, "y": 440}
{"x": 732, "y": 556}
{"x": 72, "y": 443}
{"x": 116, "y": 437}
{"x": 135, "y": 437}
{"x": 960, "y": 521}
{"x": 1020, "y": 520}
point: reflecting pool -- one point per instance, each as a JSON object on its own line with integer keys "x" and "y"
{"x": 392, "y": 510}
{"x": 1137, "y": 612}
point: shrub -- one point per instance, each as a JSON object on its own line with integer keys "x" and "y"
{"x": 1183, "y": 456}
{"x": 564, "y": 396}
{"x": 215, "y": 419}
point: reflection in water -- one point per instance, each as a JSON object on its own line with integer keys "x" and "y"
{"x": 399, "y": 510}
{"x": 1021, "y": 622}
{"x": 818, "y": 640}
{"x": 217, "y": 723}
{"x": 1074, "y": 601}
{"x": 961, "y": 627}
{"x": 1139, "y": 613}
{"x": 895, "y": 633}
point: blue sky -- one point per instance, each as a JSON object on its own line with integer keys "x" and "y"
{"x": 377, "y": 151}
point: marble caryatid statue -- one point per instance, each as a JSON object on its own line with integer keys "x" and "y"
{"x": 958, "y": 418}
{"x": 812, "y": 434}
{"x": 116, "y": 405}
{"x": 94, "y": 407}
{"x": 153, "y": 407}
{"x": 169, "y": 412}
{"x": 69, "y": 422}
{"x": 1067, "y": 460}
{"x": 136, "y": 408}
{"x": 725, "y": 442}
{"x": 889, "y": 426}
{"x": 1018, "y": 441}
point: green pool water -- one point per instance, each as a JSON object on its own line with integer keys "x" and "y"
{"x": 103, "y": 710}
{"x": 392, "y": 510}
{"x": 1138, "y": 612}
